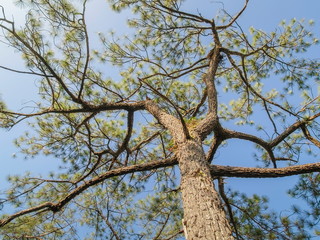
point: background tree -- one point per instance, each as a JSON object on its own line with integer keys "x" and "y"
{"x": 138, "y": 149}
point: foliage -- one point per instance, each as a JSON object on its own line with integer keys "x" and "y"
{"x": 119, "y": 178}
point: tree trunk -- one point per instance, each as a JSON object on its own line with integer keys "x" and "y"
{"x": 204, "y": 216}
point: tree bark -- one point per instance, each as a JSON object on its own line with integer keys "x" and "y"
{"x": 204, "y": 216}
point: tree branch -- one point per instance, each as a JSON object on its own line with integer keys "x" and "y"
{"x": 291, "y": 129}
{"x": 173, "y": 124}
{"x": 129, "y": 106}
{"x": 216, "y": 171}
{"x": 309, "y": 137}
{"x": 247, "y": 172}
{"x": 55, "y": 207}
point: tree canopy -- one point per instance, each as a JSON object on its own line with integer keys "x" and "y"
{"x": 131, "y": 116}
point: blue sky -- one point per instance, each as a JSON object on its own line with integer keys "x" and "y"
{"x": 18, "y": 90}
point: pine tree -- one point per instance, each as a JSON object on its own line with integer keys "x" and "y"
{"x": 139, "y": 119}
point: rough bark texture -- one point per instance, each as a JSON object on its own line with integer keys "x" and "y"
{"x": 204, "y": 216}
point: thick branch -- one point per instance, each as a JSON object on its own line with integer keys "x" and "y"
{"x": 211, "y": 121}
{"x": 244, "y": 172}
{"x": 173, "y": 124}
{"x": 132, "y": 106}
{"x": 206, "y": 126}
{"x": 55, "y": 207}
{"x": 233, "y": 134}
{"x": 268, "y": 146}
{"x": 216, "y": 171}
{"x": 210, "y": 81}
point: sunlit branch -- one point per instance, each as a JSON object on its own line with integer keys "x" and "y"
{"x": 247, "y": 172}
{"x": 216, "y": 171}
{"x": 55, "y": 207}
{"x": 159, "y": 113}
{"x": 207, "y": 125}
{"x": 267, "y": 146}
{"x": 129, "y": 106}
{"x": 210, "y": 80}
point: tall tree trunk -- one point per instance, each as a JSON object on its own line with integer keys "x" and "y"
{"x": 204, "y": 216}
